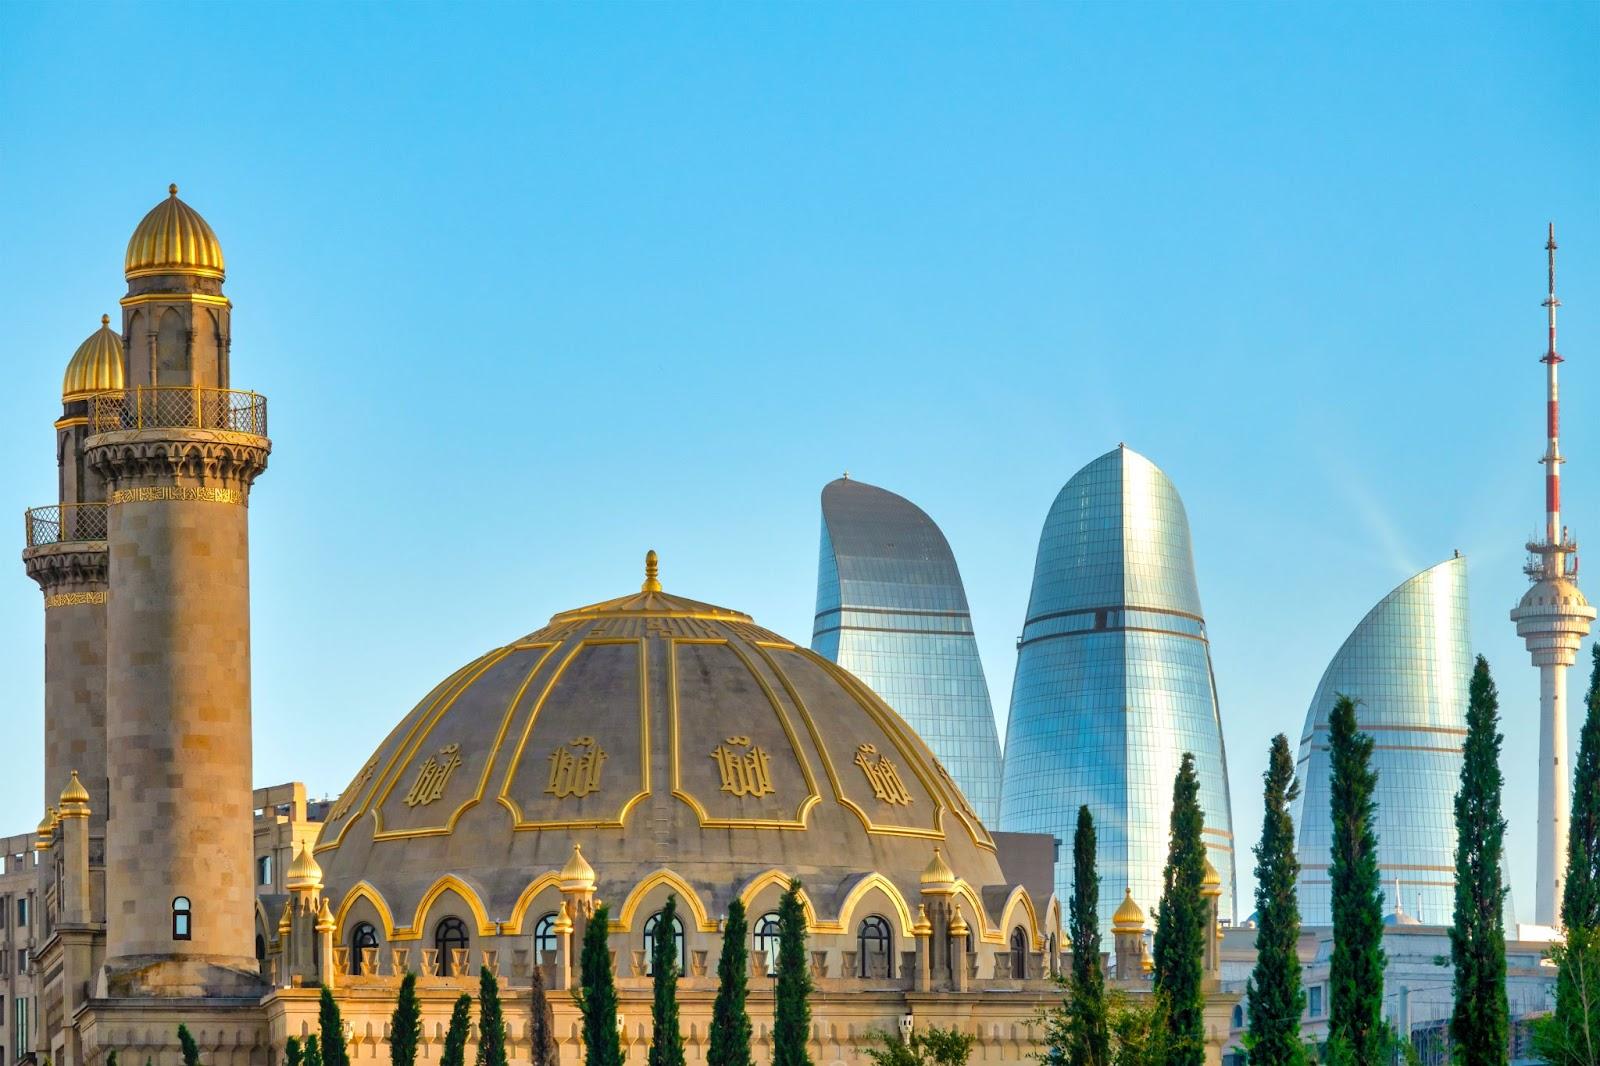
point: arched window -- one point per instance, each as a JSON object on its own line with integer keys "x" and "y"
{"x": 544, "y": 937}
{"x": 362, "y": 936}
{"x": 449, "y": 935}
{"x": 675, "y": 931}
{"x": 261, "y": 948}
{"x": 767, "y": 940}
{"x": 1238, "y": 1017}
{"x": 1019, "y": 953}
{"x": 181, "y": 918}
{"x": 873, "y": 942}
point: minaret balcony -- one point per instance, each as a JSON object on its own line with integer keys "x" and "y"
{"x": 65, "y": 523}
{"x": 178, "y": 407}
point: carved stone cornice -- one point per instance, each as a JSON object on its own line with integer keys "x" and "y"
{"x": 142, "y": 457}
{"x": 69, "y": 568}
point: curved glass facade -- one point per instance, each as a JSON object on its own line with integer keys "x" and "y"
{"x": 1409, "y": 663}
{"x": 891, "y": 610}
{"x": 1114, "y": 683}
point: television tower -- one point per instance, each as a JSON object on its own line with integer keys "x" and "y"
{"x": 1553, "y": 618}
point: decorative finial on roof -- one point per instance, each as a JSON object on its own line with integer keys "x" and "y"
{"x": 652, "y": 583}
{"x": 105, "y": 320}
{"x": 172, "y": 190}
{"x": 74, "y": 798}
{"x": 846, "y": 475}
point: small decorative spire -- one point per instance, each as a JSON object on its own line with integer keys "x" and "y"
{"x": 172, "y": 190}
{"x": 652, "y": 583}
{"x": 74, "y": 798}
{"x": 105, "y": 320}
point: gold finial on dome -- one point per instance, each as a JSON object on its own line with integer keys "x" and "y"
{"x": 96, "y": 366}
{"x": 922, "y": 927}
{"x": 958, "y": 925}
{"x": 563, "y": 922}
{"x": 286, "y": 920}
{"x": 304, "y": 873}
{"x": 937, "y": 875}
{"x": 577, "y": 875}
{"x": 325, "y": 922}
{"x": 47, "y": 830}
{"x": 1212, "y": 884}
{"x": 652, "y": 580}
{"x": 74, "y": 798}
{"x": 1129, "y": 918}
{"x": 173, "y": 239}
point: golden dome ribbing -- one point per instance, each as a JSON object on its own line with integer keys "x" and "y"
{"x": 74, "y": 798}
{"x": 1129, "y": 918}
{"x": 304, "y": 873}
{"x": 173, "y": 239}
{"x": 96, "y": 366}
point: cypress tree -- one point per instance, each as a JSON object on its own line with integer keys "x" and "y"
{"x": 791, "y": 1023}
{"x": 1580, "y": 897}
{"x": 541, "y": 1022}
{"x": 1481, "y": 1022}
{"x": 405, "y": 1024}
{"x": 597, "y": 994}
{"x": 1273, "y": 996}
{"x": 1182, "y": 924}
{"x": 1088, "y": 1029}
{"x": 312, "y": 1055}
{"x": 1570, "y": 1035}
{"x": 331, "y": 1026}
{"x": 111, "y": 1057}
{"x": 291, "y": 1052}
{"x": 491, "y": 1021}
{"x": 666, "y": 1039}
{"x": 191, "y": 1050}
{"x": 455, "y": 1037}
{"x": 730, "y": 1021}
{"x": 1356, "y": 1032}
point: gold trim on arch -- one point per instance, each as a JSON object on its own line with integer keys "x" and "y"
{"x": 364, "y": 890}
{"x": 519, "y": 910}
{"x": 447, "y": 883}
{"x": 776, "y": 878}
{"x": 519, "y": 821}
{"x": 1010, "y": 906}
{"x": 847, "y": 909}
{"x": 623, "y": 922}
{"x": 488, "y": 763}
{"x": 813, "y": 796}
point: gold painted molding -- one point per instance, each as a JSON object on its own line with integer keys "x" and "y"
{"x": 74, "y": 599}
{"x": 177, "y": 494}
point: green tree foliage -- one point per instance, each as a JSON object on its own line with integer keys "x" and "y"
{"x": 1571, "y": 1033}
{"x": 666, "y": 1038}
{"x": 331, "y": 1028}
{"x": 1088, "y": 1028}
{"x": 405, "y": 1024}
{"x": 927, "y": 1047}
{"x": 791, "y": 1024}
{"x": 111, "y": 1057}
{"x": 191, "y": 1050}
{"x": 1138, "y": 1034}
{"x": 312, "y": 1055}
{"x": 541, "y": 1022}
{"x": 491, "y": 1021}
{"x": 730, "y": 1020}
{"x": 1182, "y": 925}
{"x": 291, "y": 1052}
{"x": 1356, "y": 1032}
{"x": 1273, "y": 996}
{"x": 455, "y": 1037}
{"x": 1481, "y": 1022}
{"x": 597, "y": 994}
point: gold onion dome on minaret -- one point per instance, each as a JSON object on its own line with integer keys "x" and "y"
{"x": 96, "y": 366}
{"x": 74, "y": 798}
{"x": 47, "y": 830}
{"x": 1129, "y": 918}
{"x": 577, "y": 875}
{"x": 937, "y": 874}
{"x": 1211, "y": 885}
{"x": 304, "y": 873}
{"x": 173, "y": 239}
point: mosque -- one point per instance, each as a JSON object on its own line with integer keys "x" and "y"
{"x": 643, "y": 746}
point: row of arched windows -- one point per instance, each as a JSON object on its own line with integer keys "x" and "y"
{"x": 874, "y": 942}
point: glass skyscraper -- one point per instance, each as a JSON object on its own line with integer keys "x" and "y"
{"x": 891, "y": 610}
{"x": 1114, "y": 684}
{"x": 1409, "y": 663}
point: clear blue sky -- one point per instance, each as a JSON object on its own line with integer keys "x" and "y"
{"x": 534, "y": 288}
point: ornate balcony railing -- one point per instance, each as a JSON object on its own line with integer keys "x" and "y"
{"x": 178, "y": 407}
{"x": 64, "y": 522}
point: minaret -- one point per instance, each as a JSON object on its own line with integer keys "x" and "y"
{"x": 178, "y": 451}
{"x": 1553, "y": 618}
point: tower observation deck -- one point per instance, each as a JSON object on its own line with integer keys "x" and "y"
{"x": 1552, "y": 619}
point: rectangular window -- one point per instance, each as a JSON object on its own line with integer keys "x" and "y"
{"x": 22, "y": 961}
{"x": 22, "y": 912}
{"x": 19, "y": 1027}
{"x": 264, "y": 870}
{"x": 1314, "y": 1001}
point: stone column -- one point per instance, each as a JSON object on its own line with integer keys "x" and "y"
{"x": 74, "y": 893}
{"x": 563, "y": 931}
{"x": 1211, "y": 893}
{"x": 923, "y": 931}
{"x": 178, "y": 700}
{"x": 958, "y": 949}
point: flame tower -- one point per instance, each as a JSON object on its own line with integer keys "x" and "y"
{"x": 1553, "y": 618}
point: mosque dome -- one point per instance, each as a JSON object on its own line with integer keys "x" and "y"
{"x": 96, "y": 366}
{"x": 643, "y": 738}
{"x": 173, "y": 239}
